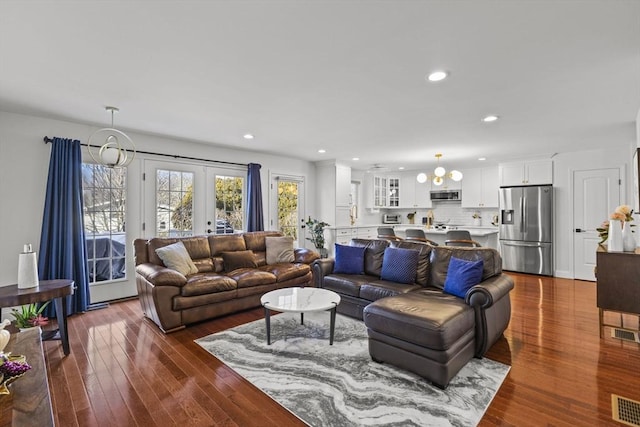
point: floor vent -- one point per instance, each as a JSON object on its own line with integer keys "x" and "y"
{"x": 625, "y": 411}
{"x": 623, "y": 334}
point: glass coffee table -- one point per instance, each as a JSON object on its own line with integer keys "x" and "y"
{"x": 300, "y": 300}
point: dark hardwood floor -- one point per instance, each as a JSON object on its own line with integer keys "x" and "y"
{"x": 122, "y": 371}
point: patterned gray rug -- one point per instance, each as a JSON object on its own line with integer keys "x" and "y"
{"x": 340, "y": 385}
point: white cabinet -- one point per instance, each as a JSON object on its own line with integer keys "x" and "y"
{"x": 534, "y": 172}
{"x": 332, "y": 193}
{"x": 379, "y": 191}
{"x": 480, "y": 188}
{"x": 413, "y": 194}
{"x": 393, "y": 192}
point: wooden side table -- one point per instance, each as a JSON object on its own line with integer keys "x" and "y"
{"x": 29, "y": 403}
{"x": 618, "y": 285}
{"x": 47, "y": 290}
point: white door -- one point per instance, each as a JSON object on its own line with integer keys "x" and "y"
{"x": 287, "y": 208}
{"x": 596, "y": 193}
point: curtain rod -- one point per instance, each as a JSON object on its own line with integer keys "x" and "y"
{"x": 47, "y": 140}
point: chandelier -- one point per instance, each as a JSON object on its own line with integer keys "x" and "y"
{"x": 439, "y": 174}
{"x": 111, "y": 147}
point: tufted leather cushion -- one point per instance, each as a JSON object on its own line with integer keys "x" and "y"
{"x": 440, "y": 256}
{"x": 197, "y": 247}
{"x": 201, "y": 284}
{"x": 226, "y": 243}
{"x": 238, "y": 259}
{"x": 284, "y": 272}
{"x": 250, "y": 277}
{"x": 373, "y": 255}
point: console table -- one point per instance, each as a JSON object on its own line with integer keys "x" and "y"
{"x": 47, "y": 290}
{"x": 29, "y": 403}
{"x": 618, "y": 284}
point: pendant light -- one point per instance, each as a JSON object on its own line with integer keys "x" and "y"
{"x": 111, "y": 147}
{"x": 439, "y": 174}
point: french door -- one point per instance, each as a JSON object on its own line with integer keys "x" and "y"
{"x": 287, "y": 206}
{"x": 182, "y": 199}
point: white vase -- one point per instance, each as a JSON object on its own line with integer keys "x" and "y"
{"x": 628, "y": 239}
{"x": 615, "y": 236}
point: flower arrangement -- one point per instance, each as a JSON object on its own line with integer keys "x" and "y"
{"x": 30, "y": 315}
{"x": 316, "y": 229}
{"x": 622, "y": 213}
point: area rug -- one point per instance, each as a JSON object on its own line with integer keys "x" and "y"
{"x": 339, "y": 384}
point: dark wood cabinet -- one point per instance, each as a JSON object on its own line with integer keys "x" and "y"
{"x": 618, "y": 283}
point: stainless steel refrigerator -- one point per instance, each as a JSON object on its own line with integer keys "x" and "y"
{"x": 526, "y": 229}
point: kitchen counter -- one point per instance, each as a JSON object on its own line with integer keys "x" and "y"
{"x": 474, "y": 231}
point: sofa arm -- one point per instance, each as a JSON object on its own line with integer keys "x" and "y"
{"x": 305, "y": 256}
{"x": 158, "y": 275}
{"x": 320, "y": 268}
{"x": 486, "y": 293}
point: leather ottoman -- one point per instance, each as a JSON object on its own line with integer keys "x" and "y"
{"x": 431, "y": 336}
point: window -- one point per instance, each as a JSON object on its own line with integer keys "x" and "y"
{"x": 288, "y": 215}
{"x": 104, "y": 197}
{"x": 174, "y": 203}
{"x": 229, "y": 209}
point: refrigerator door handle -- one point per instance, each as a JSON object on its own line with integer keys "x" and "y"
{"x": 525, "y": 244}
{"x": 521, "y": 225}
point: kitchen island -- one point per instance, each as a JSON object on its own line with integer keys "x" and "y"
{"x": 487, "y": 236}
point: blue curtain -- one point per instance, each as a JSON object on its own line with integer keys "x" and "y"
{"x": 63, "y": 254}
{"x": 255, "y": 217}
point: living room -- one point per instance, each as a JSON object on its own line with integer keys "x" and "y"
{"x": 25, "y": 121}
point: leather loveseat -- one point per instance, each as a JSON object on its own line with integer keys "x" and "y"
{"x": 173, "y": 300}
{"x": 417, "y": 326}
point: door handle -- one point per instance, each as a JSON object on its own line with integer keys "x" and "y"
{"x": 580, "y": 230}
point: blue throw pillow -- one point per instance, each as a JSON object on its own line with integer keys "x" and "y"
{"x": 399, "y": 265}
{"x": 349, "y": 260}
{"x": 462, "y": 275}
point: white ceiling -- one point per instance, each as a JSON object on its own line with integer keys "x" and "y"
{"x": 345, "y": 76}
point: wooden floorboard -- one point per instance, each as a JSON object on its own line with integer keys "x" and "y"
{"x": 122, "y": 371}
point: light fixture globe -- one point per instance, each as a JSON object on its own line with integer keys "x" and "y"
{"x": 422, "y": 178}
{"x": 456, "y": 175}
{"x": 437, "y": 180}
{"x": 111, "y": 147}
{"x": 439, "y": 171}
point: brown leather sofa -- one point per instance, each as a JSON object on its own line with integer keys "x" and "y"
{"x": 172, "y": 300}
{"x": 417, "y": 326}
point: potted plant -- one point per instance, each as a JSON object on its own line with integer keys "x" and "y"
{"x": 316, "y": 230}
{"x": 29, "y": 316}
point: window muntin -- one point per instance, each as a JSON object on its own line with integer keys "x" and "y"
{"x": 229, "y": 204}
{"x": 174, "y": 203}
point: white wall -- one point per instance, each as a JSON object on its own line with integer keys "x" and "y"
{"x": 563, "y": 167}
{"x": 24, "y": 160}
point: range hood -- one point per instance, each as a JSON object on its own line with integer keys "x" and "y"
{"x": 446, "y": 196}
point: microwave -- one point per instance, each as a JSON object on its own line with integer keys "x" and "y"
{"x": 391, "y": 219}
{"x": 446, "y": 196}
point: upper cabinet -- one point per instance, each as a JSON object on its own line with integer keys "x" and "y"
{"x": 535, "y": 172}
{"x": 480, "y": 188}
{"x": 396, "y": 191}
{"x": 332, "y": 195}
{"x": 393, "y": 192}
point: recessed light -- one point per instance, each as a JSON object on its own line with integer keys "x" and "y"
{"x": 248, "y": 136}
{"x": 322, "y": 151}
{"x": 482, "y": 159}
{"x": 356, "y": 159}
{"x": 490, "y": 118}
{"x": 437, "y": 76}
{"x": 401, "y": 168}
